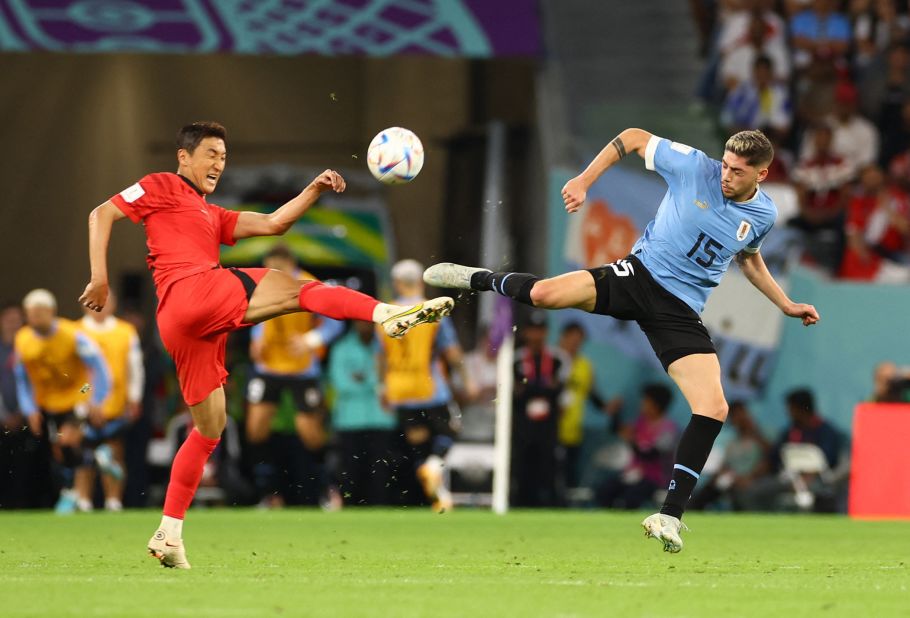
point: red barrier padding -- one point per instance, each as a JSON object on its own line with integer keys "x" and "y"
{"x": 880, "y": 465}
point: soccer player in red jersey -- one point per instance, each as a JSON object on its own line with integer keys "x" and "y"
{"x": 199, "y": 302}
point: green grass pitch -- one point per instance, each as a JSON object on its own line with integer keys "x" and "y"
{"x": 388, "y": 563}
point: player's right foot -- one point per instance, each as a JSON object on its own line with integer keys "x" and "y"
{"x": 664, "y": 528}
{"x": 431, "y": 310}
{"x": 67, "y": 502}
{"x": 169, "y": 552}
{"x": 449, "y": 275}
{"x": 430, "y": 475}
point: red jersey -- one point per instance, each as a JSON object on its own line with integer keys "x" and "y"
{"x": 183, "y": 232}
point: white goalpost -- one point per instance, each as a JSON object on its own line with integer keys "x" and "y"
{"x": 502, "y": 445}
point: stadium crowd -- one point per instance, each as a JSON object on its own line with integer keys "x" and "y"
{"x": 829, "y": 82}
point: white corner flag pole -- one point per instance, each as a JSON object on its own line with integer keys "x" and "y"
{"x": 503, "y": 437}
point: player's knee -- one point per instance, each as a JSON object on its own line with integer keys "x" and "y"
{"x": 545, "y": 294}
{"x": 718, "y": 410}
{"x": 213, "y": 426}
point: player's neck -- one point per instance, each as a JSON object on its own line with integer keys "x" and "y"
{"x": 751, "y": 196}
{"x": 191, "y": 184}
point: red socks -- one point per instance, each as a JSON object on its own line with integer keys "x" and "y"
{"x": 336, "y": 302}
{"x": 186, "y": 472}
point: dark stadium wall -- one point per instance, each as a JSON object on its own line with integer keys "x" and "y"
{"x": 78, "y": 128}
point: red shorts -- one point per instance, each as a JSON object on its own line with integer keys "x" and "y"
{"x": 194, "y": 319}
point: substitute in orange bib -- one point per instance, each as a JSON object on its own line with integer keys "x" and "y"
{"x": 61, "y": 379}
{"x": 286, "y": 353}
{"x": 417, "y": 387}
{"x": 119, "y": 343}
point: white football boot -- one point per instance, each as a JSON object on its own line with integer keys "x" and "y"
{"x": 666, "y": 529}
{"x": 169, "y": 552}
{"x": 432, "y": 479}
{"x": 449, "y": 275}
{"x": 431, "y": 310}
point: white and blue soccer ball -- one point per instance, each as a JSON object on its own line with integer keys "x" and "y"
{"x": 395, "y": 156}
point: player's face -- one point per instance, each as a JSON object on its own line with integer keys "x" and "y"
{"x": 40, "y": 318}
{"x": 738, "y": 179}
{"x": 204, "y": 165}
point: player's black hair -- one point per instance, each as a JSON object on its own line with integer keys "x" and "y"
{"x": 753, "y": 146}
{"x": 281, "y": 251}
{"x": 189, "y": 136}
{"x": 801, "y": 399}
{"x": 573, "y": 326}
{"x": 660, "y": 394}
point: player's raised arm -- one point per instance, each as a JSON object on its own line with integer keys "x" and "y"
{"x": 100, "y": 221}
{"x": 756, "y": 271}
{"x": 630, "y": 140}
{"x": 280, "y": 221}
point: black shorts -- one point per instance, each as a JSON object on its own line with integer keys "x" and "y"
{"x": 437, "y": 419}
{"x": 307, "y": 394}
{"x": 627, "y": 291}
{"x": 56, "y": 420}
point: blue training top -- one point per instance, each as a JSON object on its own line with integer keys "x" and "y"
{"x": 697, "y": 231}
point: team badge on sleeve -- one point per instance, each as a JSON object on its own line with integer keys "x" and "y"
{"x": 132, "y": 193}
{"x": 743, "y": 231}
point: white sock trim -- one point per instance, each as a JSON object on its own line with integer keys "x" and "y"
{"x": 172, "y": 526}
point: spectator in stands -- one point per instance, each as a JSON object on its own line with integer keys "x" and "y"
{"x": 363, "y": 429}
{"x": 877, "y": 24}
{"x": 854, "y": 138}
{"x": 743, "y": 462}
{"x": 759, "y": 103}
{"x": 652, "y": 438}
{"x": 877, "y": 230}
{"x": 580, "y": 389}
{"x": 821, "y": 183}
{"x": 820, "y": 33}
{"x": 739, "y": 56}
{"x": 897, "y": 136}
{"x": 890, "y": 384}
{"x": 540, "y": 376}
{"x": 806, "y": 426}
{"x": 885, "y": 86}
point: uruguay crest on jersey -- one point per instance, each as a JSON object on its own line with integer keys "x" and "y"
{"x": 743, "y": 230}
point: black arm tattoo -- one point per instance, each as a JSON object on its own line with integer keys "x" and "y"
{"x": 619, "y": 146}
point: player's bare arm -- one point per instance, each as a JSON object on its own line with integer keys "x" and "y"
{"x": 100, "y": 221}
{"x": 627, "y": 142}
{"x": 756, "y": 271}
{"x": 280, "y": 221}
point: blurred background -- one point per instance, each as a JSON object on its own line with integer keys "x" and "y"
{"x": 510, "y": 98}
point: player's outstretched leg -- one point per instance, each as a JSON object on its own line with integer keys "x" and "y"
{"x": 575, "y": 289}
{"x": 278, "y": 294}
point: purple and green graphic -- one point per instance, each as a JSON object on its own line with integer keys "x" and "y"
{"x": 476, "y": 28}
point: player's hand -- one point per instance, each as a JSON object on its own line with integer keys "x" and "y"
{"x": 95, "y": 295}
{"x": 329, "y": 180}
{"x": 574, "y": 193}
{"x": 807, "y": 313}
{"x": 34, "y": 423}
{"x": 95, "y": 415}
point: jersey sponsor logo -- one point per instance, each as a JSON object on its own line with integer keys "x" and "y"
{"x": 132, "y": 193}
{"x": 681, "y": 148}
{"x": 743, "y": 230}
{"x": 702, "y": 205}
{"x": 622, "y": 268}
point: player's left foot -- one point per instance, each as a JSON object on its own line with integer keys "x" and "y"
{"x": 449, "y": 275}
{"x": 67, "y": 502}
{"x": 104, "y": 457}
{"x": 169, "y": 552}
{"x": 431, "y": 310}
{"x": 664, "y": 528}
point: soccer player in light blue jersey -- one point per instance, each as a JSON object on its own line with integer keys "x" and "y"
{"x": 713, "y": 212}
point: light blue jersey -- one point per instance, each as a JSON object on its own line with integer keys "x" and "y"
{"x": 697, "y": 231}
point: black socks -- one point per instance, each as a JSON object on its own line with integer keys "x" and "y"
{"x": 516, "y": 286}
{"x": 691, "y": 455}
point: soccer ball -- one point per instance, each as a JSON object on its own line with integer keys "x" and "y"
{"x": 395, "y": 156}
